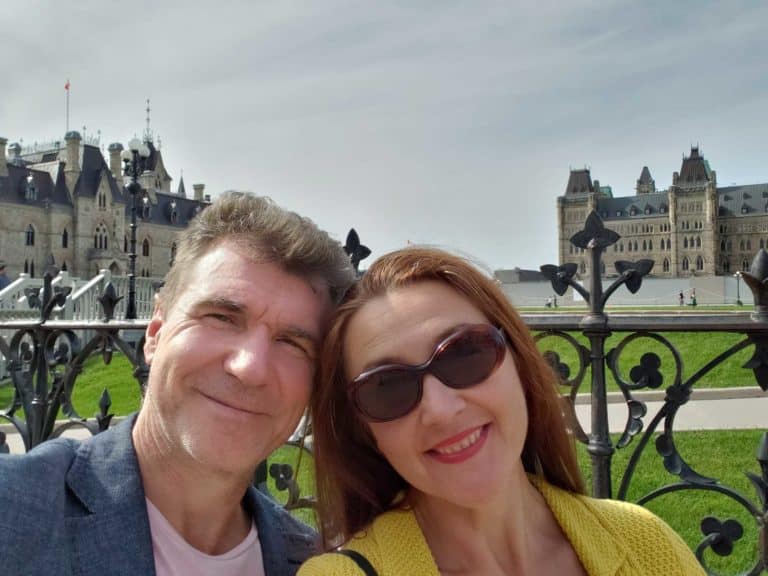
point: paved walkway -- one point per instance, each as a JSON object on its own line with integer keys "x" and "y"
{"x": 708, "y": 409}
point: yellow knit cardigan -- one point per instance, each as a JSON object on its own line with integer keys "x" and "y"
{"x": 610, "y": 538}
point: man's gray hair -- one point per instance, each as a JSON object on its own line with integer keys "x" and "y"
{"x": 267, "y": 233}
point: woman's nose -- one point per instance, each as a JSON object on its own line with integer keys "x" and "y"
{"x": 438, "y": 401}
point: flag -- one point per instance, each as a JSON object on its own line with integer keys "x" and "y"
{"x": 66, "y": 86}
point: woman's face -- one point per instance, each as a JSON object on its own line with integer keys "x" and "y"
{"x": 459, "y": 445}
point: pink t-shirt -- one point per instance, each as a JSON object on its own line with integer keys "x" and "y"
{"x": 175, "y": 557}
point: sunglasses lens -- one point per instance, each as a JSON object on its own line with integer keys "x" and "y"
{"x": 469, "y": 359}
{"x": 388, "y": 394}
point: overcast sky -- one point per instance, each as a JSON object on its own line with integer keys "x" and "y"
{"x": 446, "y": 122}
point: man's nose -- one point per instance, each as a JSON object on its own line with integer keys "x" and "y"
{"x": 248, "y": 357}
{"x": 439, "y": 402}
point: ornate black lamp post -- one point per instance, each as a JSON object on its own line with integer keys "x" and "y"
{"x": 135, "y": 159}
{"x": 738, "y": 288}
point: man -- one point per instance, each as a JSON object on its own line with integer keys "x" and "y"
{"x": 232, "y": 347}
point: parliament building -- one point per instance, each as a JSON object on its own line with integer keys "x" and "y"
{"x": 693, "y": 228}
{"x": 64, "y": 203}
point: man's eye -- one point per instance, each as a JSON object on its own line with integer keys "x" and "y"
{"x": 294, "y": 343}
{"x": 219, "y": 317}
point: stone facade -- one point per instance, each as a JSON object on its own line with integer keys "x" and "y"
{"x": 693, "y": 228}
{"x": 66, "y": 205}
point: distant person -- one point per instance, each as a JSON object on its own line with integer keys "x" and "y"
{"x": 693, "y": 296}
{"x": 681, "y": 298}
{"x": 4, "y": 280}
{"x": 232, "y": 347}
{"x": 549, "y": 302}
{"x": 440, "y": 444}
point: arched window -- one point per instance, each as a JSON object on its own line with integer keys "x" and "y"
{"x": 145, "y": 247}
{"x": 745, "y": 265}
{"x": 722, "y": 245}
{"x": 749, "y": 244}
{"x": 666, "y": 265}
{"x": 64, "y": 266}
{"x": 645, "y": 246}
{"x": 741, "y": 244}
{"x": 699, "y": 263}
{"x": 762, "y": 243}
{"x": 685, "y": 242}
{"x": 30, "y": 236}
{"x": 629, "y": 246}
{"x": 635, "y": 246}
{"x": 698, "y": 241}
{"x": 686, "y": 265}
{"x": 726, "y": 266}
{"x": 32, "y": 269}
{"x": 621, "y": 247}
{"x": 662, "y": 243}
{"x": 582, "y": 267}
{"x": 650, "y": 244}
{"x": 64, "y": 238}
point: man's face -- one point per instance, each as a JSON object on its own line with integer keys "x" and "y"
{"x": 232, "y": 360}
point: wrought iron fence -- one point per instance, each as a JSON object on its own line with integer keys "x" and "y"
{"x": 45, "y": 357}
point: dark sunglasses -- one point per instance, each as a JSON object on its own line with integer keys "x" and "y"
{"x": 464, "y": 359}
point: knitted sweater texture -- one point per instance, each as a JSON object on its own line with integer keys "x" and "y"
{"x": 610, "y": 538}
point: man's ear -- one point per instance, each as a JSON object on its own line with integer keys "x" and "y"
{"x": 152, "y": 335}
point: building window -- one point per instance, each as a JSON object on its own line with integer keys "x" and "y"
{"x": 30, "y": 236}
{"x": 686, "y": 265}
{"x": 650, "y": 244}
{"x": 32, "y": 269}
{"x": 685, "y": 242}
{"x": 64, "y": 266}
{"x": 662, "y": 243}
{"x": 741, "y": 244}
{"x": 745, "y": 265}
{"x": 722, "y": 245}
{"x": 749, "y": 244}
{"x": 145, "y": 247}
{"x": 666, "y": 265}
{"x": 582, "y": 267}
{"x": 26, "y": 267}
{"x": 645, "y": 246}
{"x": 698, "y": 241}
{"x": 726, "y": 266}
{"x": 699, "y": 263}
{"x": 125, "y": 243}
{"x": 65, "y": 239}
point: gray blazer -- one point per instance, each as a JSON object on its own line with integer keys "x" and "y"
{"x": 77, "y": 508}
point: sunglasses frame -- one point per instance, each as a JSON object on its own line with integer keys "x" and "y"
{"x": 420, "y": 370}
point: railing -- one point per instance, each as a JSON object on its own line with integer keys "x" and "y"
{"x": 45, "y": 357}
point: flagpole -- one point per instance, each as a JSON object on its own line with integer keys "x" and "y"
{"x": 66, "y": 87}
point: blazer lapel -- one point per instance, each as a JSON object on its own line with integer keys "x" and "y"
{"x": 109, "y": 529}
{"x": 282, "y": 548}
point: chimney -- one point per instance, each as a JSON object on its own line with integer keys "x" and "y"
{"x": 115, "y": 162}
{"x": 199, "y": 189}
{"x": 3, "y": 161}
{"x": 72, "y": 158}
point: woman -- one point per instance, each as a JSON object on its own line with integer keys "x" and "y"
{"x": 440, "y": 446}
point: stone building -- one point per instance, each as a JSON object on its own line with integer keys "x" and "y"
{"x": 66, "y": 205}
{"x": 693, "y": 228}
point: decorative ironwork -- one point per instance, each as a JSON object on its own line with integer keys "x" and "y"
{"x": 355, "y": 250}
{"x": 44, "y": 359}
{"x": 721, "y": 536}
